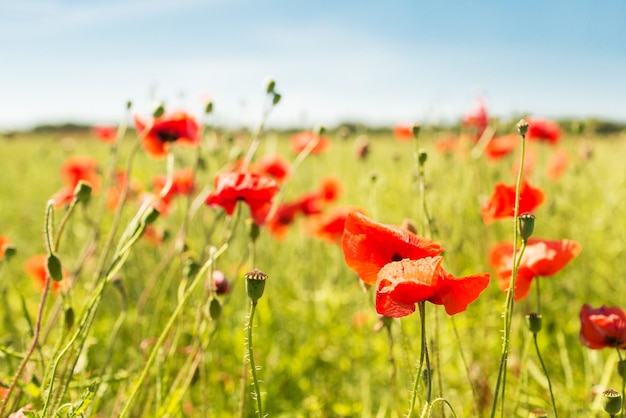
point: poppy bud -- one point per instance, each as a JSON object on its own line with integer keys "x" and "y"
{"x": 190, "y": 267}
{"x": 416, "y": 130}
{"x": 53, "y": 265}
{"x": 270, "y": 85}
{"x": 276, "y": 98}
{"x": 129, "y": 104}
{"x": 253, "y": 230}
{"x": 255, "y": 284}
{"x": 215, "y": 309}
{"x": 612, "y": 401}
{"x": 621, "y": 368}
{"x": 526, "y": 225}
{"x": 538, "y": 413}
{"x": 220, "y": 283}
{"x": 522, "y": 127}
{"x": 150, "y": 216}
{"x": 422, "y": 156}
{"x": 320, "y": 130}
{"x": 69, "y": 318}
{"x": 208, "y": 109}
{"x": 158, "y": 111}
{"x": 82, "y": 192}
{"x": 533, "y": 320}
{"x": 9, "y": 251}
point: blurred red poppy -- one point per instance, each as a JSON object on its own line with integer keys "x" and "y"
{"x": 80, "y": 167}
{"x": 278, "y": 223}
{"x": 543, "y": 130}
{"x": 310, "y": 203}
{"x": 114, "y": 192}
{"x": 557, "y": 163}
{"x": 63, "y": 197}
{"x": 541, "y": 258}
{"x": 603, "y": 327}
{"x": 402, "y": 284}
{"x": 368, "y": 246}
{"x": 500, "y": 146}
{"x": 300, "y": 141}
{"x": 273, "y": 166}
{"x": 35, "y": 267}
{"x": 329, "y": 189}
{"x": 501, "y": 204}
{"x": 156, "y": 136}
{"x": 447, "y": 146}
{"x": 255, "y": 190}
{"x": 106, "y": 134}
{"x": 477, "y": 118}
{"x": 403, "y": 132}
{"x": 4, "y": 244}
{"x": 330, "y": 226}
{"x": 182, "y": 183}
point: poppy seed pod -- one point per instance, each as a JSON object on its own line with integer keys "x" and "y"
{"x": 612, "y": 401}
{"x": 526, "y": 225}
{"x": 522, "y": 127}
{"x": 255, "y": 284}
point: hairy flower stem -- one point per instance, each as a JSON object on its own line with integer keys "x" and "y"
{"x": 423, "y": 358}
{"x": 42, "y": 303}
{"x": 545, "y": 371}
{"x": 166, "y": 329}
{"x": 510, "y": 296}
{"x": 255, "y": 381}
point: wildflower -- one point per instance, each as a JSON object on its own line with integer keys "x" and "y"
{"x": 278, "y": 223}
{"x": 182, "y": 183}
{"x": 255, "y": 190}
{"x": 557, "y": 163}
{"x": 35, "y": 267}
{"x": 541, "y": 258}
{"x": 106, "y": 134}
{"x": 543, "y": 130}
{"x": 300, "y": 141}
{"x": 402, "y": 284}
{"x": 78, "y": 168}
{"x": 602, "y": 327}
{"x": 368, "y": 246}
{"x": 403, "y": 132}
{"x": 156, "y": 137}
{"x": 501, "y": 146}
{"x": 330, "y": 226}
{"x": 329, "y": 189}
{"x": 117, "y": 186}
{"x": 501, "y": 204}
{"x": 273, "y": 166}
{"x": 477, "y": 118}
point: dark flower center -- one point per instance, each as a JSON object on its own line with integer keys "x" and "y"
{"x": 165, "y": 136}
{"x": 396, "y": 257}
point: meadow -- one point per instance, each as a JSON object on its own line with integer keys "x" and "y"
{"x": 137, "y": 327}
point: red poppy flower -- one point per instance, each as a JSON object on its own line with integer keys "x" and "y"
{"x": 403, "y": 132}
{"x": 310, "y": 204}
{"x": 114, "y": 192}
{"x": 35, "y": 267}
{"x": 278, "y": 223}
{"x": 501, "y": 146}
{"x": 402, "y": 284}
{"x": 106, "y": 134}
{"x": 330, "y": 226}
{"x": 602, "y": 327}
{"x": 178, "y": 127}
{"x": 557, "y": 163}
{"x": 300, "y": 141}
{"x": 501, "y": 204}
{"x": 477, "y": 118}
{"x": 256, "y": 190}
{"x": 543, "y": 130}
{"x": 63, "y": 197}
{"x": 446, "y": 146}
{"x": 182, "y": 183}
{"x": 81, "y": 167}
{"x": 368, "y": 246}
{"x": 273, "y": 166}
{"x": 541, "y": 258}
{"x": 329, "y": 189}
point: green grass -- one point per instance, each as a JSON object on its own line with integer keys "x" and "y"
{"x": 313, "y": 334}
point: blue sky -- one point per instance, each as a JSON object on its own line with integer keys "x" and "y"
{"x": 378, "y": 62}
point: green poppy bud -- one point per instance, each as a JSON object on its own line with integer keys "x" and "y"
{"x": 215, "y": 309}
{"x": 276, "y": 98}
{"x": 270, "y": 85}
{"x": 422, "y": 156}
{"x": 69, "y": 318}
{"x": 255, "y": 284}
{"x": 526, "y": 225}
{"x": 253, "y": 230}
{"x": 82, "y": 191}
{"x": 150, "y": 216}
{"x": 208, "y": 109}
{"x": 158, "y": 111}
{"x": 53, "y": 266}
{"x": 416, "y": 130}
{"x": 9, "y": 251}
{"x": 533, "y": 320}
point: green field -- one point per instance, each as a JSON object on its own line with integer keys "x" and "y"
{"x": 315, "y": 344}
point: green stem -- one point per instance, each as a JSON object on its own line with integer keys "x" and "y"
{"x": 510, "y": 296}
{"x": 423, "y": 357}
{"x": 255, "y": 381}
{"x": 620, "y": 363}
{"x": 179, "y": 309}
{"x": 545, "y": 371}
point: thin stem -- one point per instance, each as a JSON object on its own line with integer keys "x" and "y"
{"x": 620, "y": 364}
{"x": 510, "y": 296}
{"x": 255, "y": 381}
{"x": 423, "y": 357}
{"x": 545, "y": 371}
